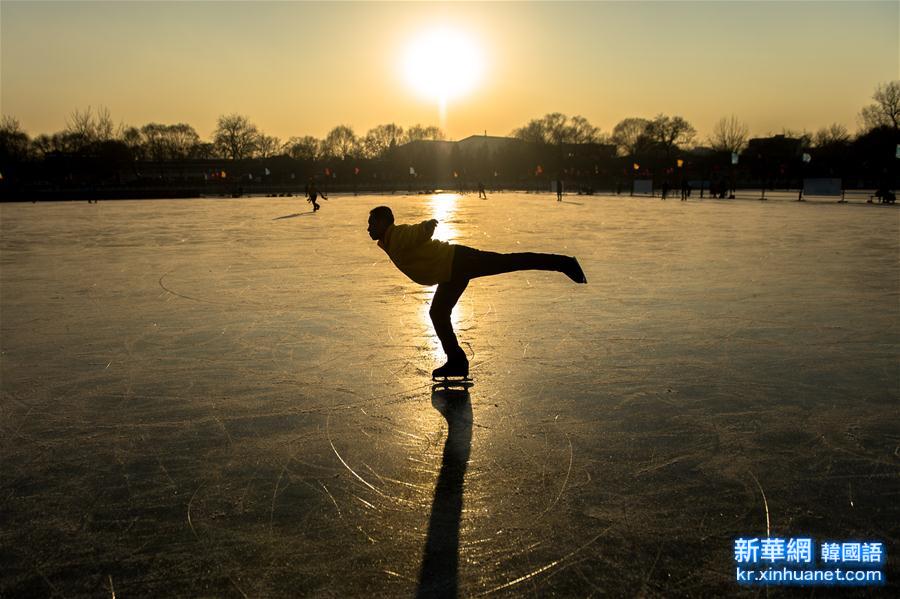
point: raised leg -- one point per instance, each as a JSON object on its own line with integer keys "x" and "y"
{"x": 471, "y": 263}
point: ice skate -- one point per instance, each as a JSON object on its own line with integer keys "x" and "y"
{"x": 455, "y": 370}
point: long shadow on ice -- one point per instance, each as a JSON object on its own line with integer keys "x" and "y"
{"x": 295, "y": 215}
{"x": 440, "y": 564}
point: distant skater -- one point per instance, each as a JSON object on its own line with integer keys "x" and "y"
{"x": 559, "y": 189}
{"x": 481, "y": 193}
{"x": 429, "y": 261}
{"x": 312, "y": 194}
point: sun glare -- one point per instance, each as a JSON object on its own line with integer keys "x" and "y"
{"x": 443, "y": 64}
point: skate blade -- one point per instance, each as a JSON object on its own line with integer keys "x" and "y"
{"x": 451, "y": 382}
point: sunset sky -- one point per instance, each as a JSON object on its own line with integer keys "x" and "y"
{"x": 302, "y": 68}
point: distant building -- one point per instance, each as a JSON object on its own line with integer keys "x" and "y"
{"x": 776, "y": 147}
{"x": 505, "y": 161}
{"x": 490, "y": 144}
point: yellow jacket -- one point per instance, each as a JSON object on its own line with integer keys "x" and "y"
{"x": 425, "y": 260}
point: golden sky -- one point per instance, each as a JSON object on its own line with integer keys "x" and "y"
{"x": 301, "y": 68}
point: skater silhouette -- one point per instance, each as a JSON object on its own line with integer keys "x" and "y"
{"x": 685, "y": 190}
{"x": 481, "y": 193}
{"x": 312, "y": 193}
{"x": 428, "y": 261}
{"x": 559, "y": 189}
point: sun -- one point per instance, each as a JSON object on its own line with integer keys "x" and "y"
{"x": 443, "y": 64}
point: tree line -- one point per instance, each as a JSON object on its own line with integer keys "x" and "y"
{"x": 234, "y": 138}
{"x": 554, "y": 143}
{"x": 667, "y": 134}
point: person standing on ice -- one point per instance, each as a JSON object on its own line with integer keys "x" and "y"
{"x": 429, "y": 261}
{"x": 312, "y": 194}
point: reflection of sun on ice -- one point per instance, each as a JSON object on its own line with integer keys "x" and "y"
{"x": 443, "y": 208}
{"x": 443, "y": 64}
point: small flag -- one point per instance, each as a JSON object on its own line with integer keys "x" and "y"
{"x": 539, "y": 170}
{"x": 268, "y": 172}
{"x": 223, "y": 175}
{"x": 327, "y": 172}
{"x": 636, "y": 166}
{"x": 412, "y": 171}
{"x": 898, "y": 152}
{"x": 734, "y": 158}
{"x": 455, "y": 175}
{"x": 355, "y": 170}
{"x": 680, "y": 162}
{"x": 806, "y": 157}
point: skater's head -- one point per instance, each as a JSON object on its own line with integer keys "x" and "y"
{"x": 379, "y": 220}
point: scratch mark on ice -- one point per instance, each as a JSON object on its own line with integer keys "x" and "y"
{"x": 543, "y": 569}
{"x": 765, "y": 503}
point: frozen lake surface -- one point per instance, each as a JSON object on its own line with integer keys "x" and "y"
{"x": 233, "y": 397}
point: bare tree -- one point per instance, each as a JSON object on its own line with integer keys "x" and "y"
{"x": 628, "y": 133}
{"x": 886, "y": 109}
{"x": 10, "y": 124}
{"x": 729, "y": 135}
{"x": 80, "y": 130}
{"x": 268, "y": 146}
{"x": 14, "y": 142}
{"x": 57, "y": 142}
{"x": 42, "y": 145}
{"x": 202, "y": 151}
{"x": 154, "y": 142}
{"x": 341, "y": 142}
{"x": 534, "y": 131}
{"x": 131, "y": 137}
{"x": 181, "y": 138}
{"x": 581, "y": 131}
{"x": 168, "y": 142}
{"x": 104, "y": 128}
{"x": 418, "y": 132}
{"x": 834, "y": 135}
{"x": 304, "y": 148}
{"x": 670, "y": 132}
{"x": 556, "y": 127}
{"x": 379, "y": 139}
{"x": 434, "y": 133}
{"x": 235, "y": 136}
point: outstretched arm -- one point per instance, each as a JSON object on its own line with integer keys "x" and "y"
{"x": 426, "y": 230}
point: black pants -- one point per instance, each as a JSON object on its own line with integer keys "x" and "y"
{"x": 469, "y": 263}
